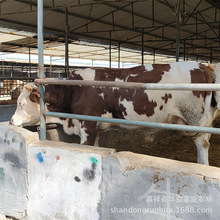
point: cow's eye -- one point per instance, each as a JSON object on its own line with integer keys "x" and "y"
{"x": 22, "y": 103}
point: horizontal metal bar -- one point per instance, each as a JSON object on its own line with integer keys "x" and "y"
{"x": 186, "y": 87}
{"x": 136, "y": 123}
{"x": 133, "y": 85}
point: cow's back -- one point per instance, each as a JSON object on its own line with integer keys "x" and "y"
{"x": 180, "y": 72}
{"x": 154, "y": 105}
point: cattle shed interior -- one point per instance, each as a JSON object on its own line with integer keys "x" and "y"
{"x": 55, "y": 177}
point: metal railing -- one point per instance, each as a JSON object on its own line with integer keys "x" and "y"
{"x": 43, "y": 114}
{"x": 127, "y": 85}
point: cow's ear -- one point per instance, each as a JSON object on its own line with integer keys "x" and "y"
{"x": 212, "y": 66}
{"x": 28, "y": 88}
{"x": 35, "y": 97}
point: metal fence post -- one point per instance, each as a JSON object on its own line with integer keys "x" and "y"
{"x": 41, "y": 69}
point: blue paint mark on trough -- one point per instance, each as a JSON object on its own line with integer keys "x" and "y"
{"x": 40, "y": 157}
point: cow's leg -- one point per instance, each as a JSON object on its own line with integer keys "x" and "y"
{"x": 202, "y": 144}
{"x": 96, "y": 142}
{"x": 88, "y": 132}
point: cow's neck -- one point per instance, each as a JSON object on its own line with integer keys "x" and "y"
{"x": 50, "y": 119}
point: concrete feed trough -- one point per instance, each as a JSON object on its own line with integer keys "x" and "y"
{"x": 57, "y": 180}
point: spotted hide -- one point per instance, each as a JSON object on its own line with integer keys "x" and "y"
{"x": 177, "y": 107}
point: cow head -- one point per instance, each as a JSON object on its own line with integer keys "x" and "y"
{"x": 216, "y": 76}
{"x": 28, "y": 108}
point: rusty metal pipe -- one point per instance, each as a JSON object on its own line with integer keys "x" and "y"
{"x": 133, "y": 85}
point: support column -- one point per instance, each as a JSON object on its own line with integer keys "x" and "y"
{"x": 142, "y": 47}
{"x": 178, "y": 17}
{"x": 41, "y": 68}
{"x": 51, "y": 66}
{"x": 29, "y": 71}
{"x": 67, "y": 44}
{"x": 119, "y": 55}
{"x": 211, "y": 54}
{"x": 184, "y": 50}
{"x": 110, "y": 49}
{"x": 154, "y": 57}
{"x": 40, "y": 40}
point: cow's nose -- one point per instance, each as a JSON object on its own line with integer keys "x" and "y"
{"x": 11, "y": 122}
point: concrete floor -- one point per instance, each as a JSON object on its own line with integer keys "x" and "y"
{"x": 6, "y": 111}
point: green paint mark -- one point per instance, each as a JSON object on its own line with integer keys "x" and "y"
{"x": 93, "y": 160}
{"x": 2, "y": 174}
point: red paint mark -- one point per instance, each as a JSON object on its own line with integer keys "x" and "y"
{"x": 46, "y": 176}
{"x": 58, "y": 157}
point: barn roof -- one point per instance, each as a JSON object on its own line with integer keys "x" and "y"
{"x": 148, "y": 26}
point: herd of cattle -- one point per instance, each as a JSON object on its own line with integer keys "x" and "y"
{"x": 198, "y": 108}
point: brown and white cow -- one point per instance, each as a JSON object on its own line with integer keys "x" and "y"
{"x": 197, "y": 108}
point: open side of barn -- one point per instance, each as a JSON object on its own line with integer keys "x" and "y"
{"x": 57, "y": 180}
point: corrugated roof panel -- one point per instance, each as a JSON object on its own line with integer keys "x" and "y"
{"x": 9, "y": 37}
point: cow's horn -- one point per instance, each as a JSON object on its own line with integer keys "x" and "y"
{"x": 212, "y": 66}
{"x": 28, "y": 88}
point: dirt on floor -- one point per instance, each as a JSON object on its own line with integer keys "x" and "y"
{"x": 166, "y": 144}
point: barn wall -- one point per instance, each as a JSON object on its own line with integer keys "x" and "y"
{"x": 70, "y": 181}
